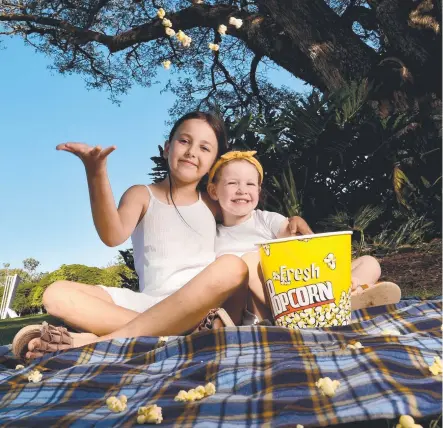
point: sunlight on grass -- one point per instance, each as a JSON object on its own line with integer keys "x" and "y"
{"x": 9, "y": 327}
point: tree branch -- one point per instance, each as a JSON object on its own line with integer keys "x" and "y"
{"x": 254, "y": 85}
{"x": 93, "y": 12}
{"x": 83, "y": 36}
{"x": 364, "y": 16}
{"x": 290, "y": 45}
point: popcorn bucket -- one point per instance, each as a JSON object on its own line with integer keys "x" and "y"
{"x": 308, "y": 279}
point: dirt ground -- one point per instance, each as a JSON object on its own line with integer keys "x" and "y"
{"x": 417, "y": 272}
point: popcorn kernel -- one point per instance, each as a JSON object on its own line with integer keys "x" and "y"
{"x": 196, "y": 394}
{"x": 390, "y": 332}
{"x": 407, "y": 421}
{"x": 35, "y": 376}
{"x": 327, "y": 386}
{"x": 436, "y": 368}
{"x": 210, "y": 389}
{"x": 115, "y": 404}
{"x": 181, "y": 396}
{"x": 356, "y": 345}
{"x": 151, "y": 414}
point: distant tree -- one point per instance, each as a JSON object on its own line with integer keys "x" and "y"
{"x": 29, "y": 293}
{"x": 14, "y": 271}
{"x": 129, "y": 277}
{"x": 30, "y": 265}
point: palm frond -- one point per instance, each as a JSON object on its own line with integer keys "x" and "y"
{"x": 290, "y": 202}
{"x": 349, "y": 100}
{"x": 366, "y": 215}
{"x": 411, "y": 232}
{"x": 306, "y": 119}
{"x": 341, "y": 220}
{"x": 400, "y": 181}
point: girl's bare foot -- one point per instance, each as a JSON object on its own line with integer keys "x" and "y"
{"x": 382, "y": 293}
{"x": 79, "y": 339}
{"x": 356, "y": 286}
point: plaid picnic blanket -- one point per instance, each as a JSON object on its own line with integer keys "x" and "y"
{"x": 263, "y": 375}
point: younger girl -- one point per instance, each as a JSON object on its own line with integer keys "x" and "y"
{"x": 235, "y": 182}
{"x": 173, "y": 231}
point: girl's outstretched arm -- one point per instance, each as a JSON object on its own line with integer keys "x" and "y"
{"x": 114, "y": 226}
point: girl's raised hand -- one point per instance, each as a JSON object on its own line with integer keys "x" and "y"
{"x": 90, "y": 156}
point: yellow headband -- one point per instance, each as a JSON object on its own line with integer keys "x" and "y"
{"x": 236, "y": 155}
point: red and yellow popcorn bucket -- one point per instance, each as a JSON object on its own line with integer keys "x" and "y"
{"x": 308, "y": 279}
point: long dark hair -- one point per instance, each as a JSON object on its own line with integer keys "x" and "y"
{"x": 214, "y": 121}
{"x": 218, "y": 126}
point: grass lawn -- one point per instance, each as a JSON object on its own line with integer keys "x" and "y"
{"x": 9, "y": 327}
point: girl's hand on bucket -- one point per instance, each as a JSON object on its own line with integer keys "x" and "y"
{"x": 297, "y": 226}
{"x": 90, "y": 156}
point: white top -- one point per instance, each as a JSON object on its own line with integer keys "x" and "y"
{"x": 241, "y": 238}
{"x": 169, "y": 252}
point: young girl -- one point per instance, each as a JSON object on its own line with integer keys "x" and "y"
{"x": 235, "y": 182}
{"x": 173, "y": 231}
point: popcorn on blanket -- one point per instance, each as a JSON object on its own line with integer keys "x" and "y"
{"x": 151, "y": 414}
{"x": 390, "y": 332}
{"x": 196, "y": 394}
{"x": 356, "y": 345}
{"x": 407, "y": 421}
{"x": 436, "y": 368}
{"x": 163, "y": 340}
{"x": 117, "y": 404}
{"x": 35, "y": 376}
{"x": 327, "y": 386}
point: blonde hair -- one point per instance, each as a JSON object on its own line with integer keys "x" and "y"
{"x": 236, "y": 155}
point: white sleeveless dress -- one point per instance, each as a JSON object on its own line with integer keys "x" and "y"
{"x": 171, "y": 246}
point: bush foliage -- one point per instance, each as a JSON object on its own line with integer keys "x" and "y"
{"x": 28, "y": 298}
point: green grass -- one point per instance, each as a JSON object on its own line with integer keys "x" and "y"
{"x": 9, "y": 327}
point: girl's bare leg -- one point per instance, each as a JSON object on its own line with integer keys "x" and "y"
{"x": 235, "y": 305}
{"x": 364, "y": 270}
{"x": 258, "y": 302}
{"x": 85, "y": 307}
{"x": 180, "y": 312}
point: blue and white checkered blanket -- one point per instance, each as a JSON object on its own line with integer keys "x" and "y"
{"x": 263, "y": 375}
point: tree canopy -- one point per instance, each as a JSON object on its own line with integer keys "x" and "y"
{"x": 367, "y": 135}
{"x": 116, "y": 44}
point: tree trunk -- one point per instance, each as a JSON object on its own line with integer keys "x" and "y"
{"x": 413, "y": 33}
{"x": 335, "y": 52}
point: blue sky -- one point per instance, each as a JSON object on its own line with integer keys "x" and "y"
{"x": 45, "y": 212}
